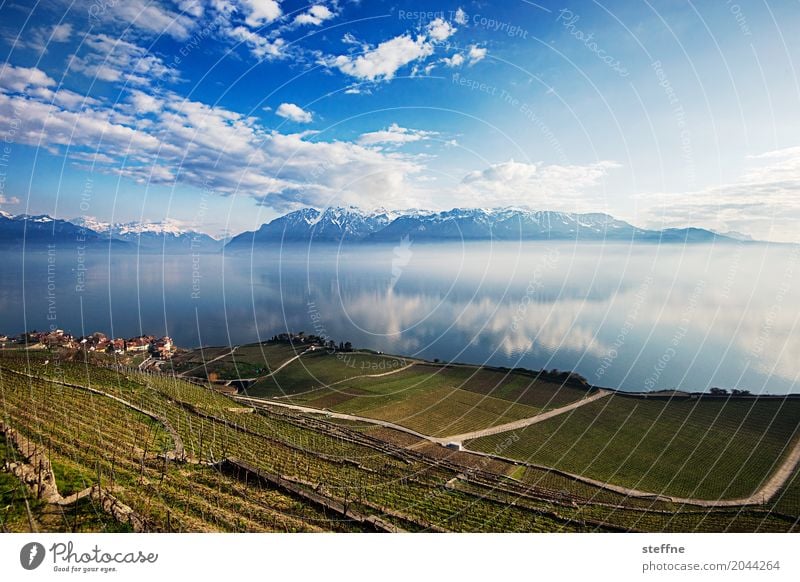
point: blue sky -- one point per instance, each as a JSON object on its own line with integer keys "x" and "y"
{"x": 222, "y": 114}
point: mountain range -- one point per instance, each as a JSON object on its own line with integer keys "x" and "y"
{"x": 167, "y": 236}
{"x": 349, "y": 225}
{"x": 352, "y": 225}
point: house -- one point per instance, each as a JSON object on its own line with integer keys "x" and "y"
{"x": 162, "y": 348}
{"x": 57, "y": 338}
{"x": 140, "y": 344}
{"x": 118, "y": 345}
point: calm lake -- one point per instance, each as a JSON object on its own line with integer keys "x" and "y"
{"x": 634, "y": 317}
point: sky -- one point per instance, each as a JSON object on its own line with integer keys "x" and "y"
{"x": 223, "y": 114}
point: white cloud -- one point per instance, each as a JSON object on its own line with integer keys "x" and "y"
{"x": 20, "y": 79}
{"x": 383, "y": 61}
{"x": 260, "y": 46}
{"x": 9, "y": 200}
{"x": 144, "y": 103}
{"x": 294, "y": 113}
{"x": 180, "y": 140}
{"x": 260, "y": 12}
{"x": 476, "y": 54}
{"x": 460, "y": 17}
{"x": 315, "y": 16}
{"x": 116, "y": 60}
{"x": 519, "y": 183}
{"x": 764, "y": 202}
{"x": 394, "y": 135}
{"x": 42, "y": 37}
{"x": 37, "y": 84}
{"x": 61, "y": 32}
{"x": 455, "y": 61}
{"x": 192, "y": 7}
{"x": 440, "y": 30}
{"x": 147, "y": 16}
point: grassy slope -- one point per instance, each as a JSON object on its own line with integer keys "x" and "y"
{"x": 199, "y": 499}
{"x": 434, "y": 400}
{"x": 103, "y": 440}
{"x": 246, "y": 361}
{"x": 441, "y": 401}
{"x": 318, "y": 369}
{"x": 788, "y": 499}
{"x": 707, "y": 449}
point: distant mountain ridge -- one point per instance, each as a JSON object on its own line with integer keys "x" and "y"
{"x": 350, "y": 225}
{"x": 42, "y": 230}
{"x": 330, "y": 225}
{"x": 345, "y": 225}
{"x": 167, "y": 236}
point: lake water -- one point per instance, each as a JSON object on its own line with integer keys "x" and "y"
{"x": 631, "y": 317}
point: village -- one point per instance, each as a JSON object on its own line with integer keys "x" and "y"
{"x": 161, "y": 348}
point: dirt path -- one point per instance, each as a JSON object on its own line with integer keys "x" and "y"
{"x": 282, "y": 366}
{"x": 389, "y": 373}
{"x": 779, "y": 477}
{"x": 339, "y": 415}
{"x": 382, "y": 374}
{"x": 765, "y": 493}
{"x": 204, "y": 364}
{"x": 525, "y": 421}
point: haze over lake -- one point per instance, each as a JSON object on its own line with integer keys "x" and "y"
{"x": 634, "y": 317}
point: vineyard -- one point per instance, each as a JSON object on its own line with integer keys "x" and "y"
{"x": 248, "y": 361}
{"x": 710, "y": 449}
{"x": 132, "y": 451}
{"x": 430, "y": 399}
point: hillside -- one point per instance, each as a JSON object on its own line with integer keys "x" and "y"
{"x": 156, "y": 452}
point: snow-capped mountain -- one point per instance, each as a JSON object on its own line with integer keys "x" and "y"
{"x": 31, "y": 230}
{"x": 330, "y": 225}
{"x": 352, "y": 225}
{"x": 165, "y": 236}
{"x": 348, "y": 225}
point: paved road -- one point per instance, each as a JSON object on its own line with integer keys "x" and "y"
{"x": 525, "y": 421}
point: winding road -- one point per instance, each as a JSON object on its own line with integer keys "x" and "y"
{"x": 765, "y": 493}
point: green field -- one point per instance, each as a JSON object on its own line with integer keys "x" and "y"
{"x": 320, "y": 369}
{"x": 705, "y": 448}
{"x": 788, "y": 499}
{"x": 412, "y": 483}
{"x": 93, "y": 438}
{"x": 248, "y": 361}
{"x": 433, "y": 400}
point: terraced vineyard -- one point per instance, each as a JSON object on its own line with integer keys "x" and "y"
{"x": 318, "y": 369}
{"x": 183, "y": 457}
{"x": 433, "y": 400}
{"x": 248, "y": 361}
{"x": 710, "y": 449}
